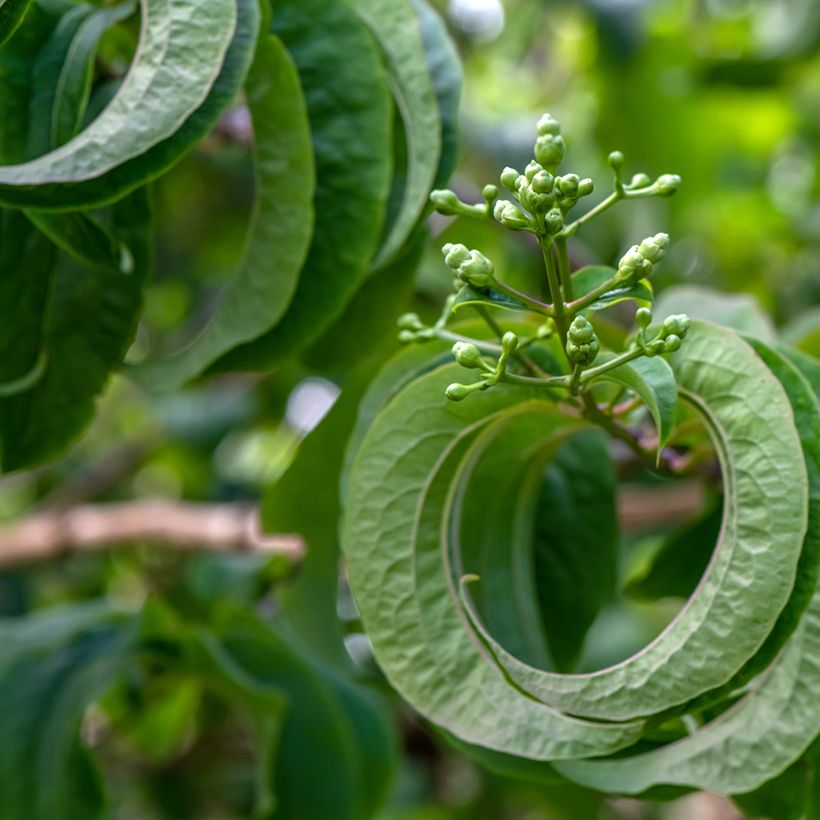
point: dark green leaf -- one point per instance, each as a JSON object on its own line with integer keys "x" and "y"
{"x": 11, "y": 15}
{"x": 468, "y": 296}
{"x": 585, "y": 280}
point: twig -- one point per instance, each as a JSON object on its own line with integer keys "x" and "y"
{"x": 231, "y": 527}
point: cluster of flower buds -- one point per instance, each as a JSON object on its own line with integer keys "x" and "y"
{"x": 471, "y": 267}
{"x": 668, "y": 339}
{"x": 637, "y": 262}
{"x": 468, "y": 355}
{"x": 582, "y": 343}
{"x": 549, "y": 146}
{"x": 664, "y": 185}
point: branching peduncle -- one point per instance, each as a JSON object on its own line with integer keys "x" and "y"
{"x": 541, "y": 200}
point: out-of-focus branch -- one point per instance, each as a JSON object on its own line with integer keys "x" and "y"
{"x": 645, "y": 508}
{"x": 231, "y": 527}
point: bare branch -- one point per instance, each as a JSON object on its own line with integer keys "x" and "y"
{"x": 230, "y": 527}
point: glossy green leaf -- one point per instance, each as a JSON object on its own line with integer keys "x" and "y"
{"x": 282, "y": 222}
{"x": 398, "y": 487}
{"x": 776, "y": 719}
{"x": 446, "y": 76}
{"x": 468, "y": 296}
{"x": 178, "y": 40}
{"x": 81, "y": 319}
{"x": 11, "y": 15}
{"x": 63, "y": 72}
{"x": 585, "y": 280}
{"x": 653, "y": 381}
{"x": 396, "y": 27}
{"x": 46, "y": 683}
{"x": 349, "y": 110}
{"x": 576, "y": 542}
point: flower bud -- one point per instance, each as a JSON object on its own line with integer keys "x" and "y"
{"x": 581, "y": 330}
{"x": 458, "y": 392}
{"x": 615, "y": 160}
{"x": 445, "y": 202}
{"x": 410, "y": 321}
{"x": 630, "y": 263}
{"x": 640, "y": 181}
{"x": 654, "y": 247}
{"x": 548, "y": 125}
{"x": 531, "y": 170}
{"x": 671, "y": 343}
{"x": 585, "y": 187}
{"x": 554, "y": 221}
{"x": 643, "y": 317}
{"x": 667, "y": 184}
{"x": 455, "y": 255}
{"x": 543, "y": 182}
{"x": 508, "y": 215}
{"x": 567, "y": 185}
{"x": 407, "y": 336}
{"x": 508, "y": 178}
{"x": 549, "y": 150}
{"x": 509, "y": 342}
{"x": 677, "y": 325}
{"x": 477, "y": 270}
{"x": 490, "y": 192}
{"x": 655, "y": 347}
{"x": 467, "y": 355}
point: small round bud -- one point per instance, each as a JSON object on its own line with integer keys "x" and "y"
{"x": 585, "y": 187}
{"x": 508, "y": 178}
{"x": 583, "y": 354}
{"x": 549, "y": 150}
{"x": 643, "y": 317}
{"x": 407, "y": 336}
{"x": 457, "y": 392}
{"x": 655, "y": 347}
{"x": 521, "y": 182}
{"x": 531, "y": 170}
{"x": 581, "y": 330}
{"x": 615, "y": 160}
{"x": 671, "y": 344}
{"x": 467, "y": 355}
{"x": 509, "y": 342}
{"x": 667, "y": 184}
{"x": 677, "y": 325}
{"x": 554, "y": 221}
{"x": 630, "y": 263}
{"x": 543, "y": 182}
{"x": 654, "y": 247}
{"x": 540, "y": 203}
{"x": 410, "y": 321}
{"x": 490, "y": 192}
{"x": 508, "y": 215}
{"x": 567, "y": 185}
{"x": 445, "y": 202}
{"x": 548, "y": 125}
{"x": 640, "y": 181}
{"x": 477, "y": 270}
{"x": 455, "y": 255}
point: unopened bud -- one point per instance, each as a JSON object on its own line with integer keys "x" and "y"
{"x": 467, "y": 355}
{"x": 508, "y": 178}
{"x": 654, "y": 247}
{"x": 554, "y": 221}
{"x": 640, "y": 181}
{"x": 508, "y": 215}
{"x": 667, "y": 184}
{"x": 531, "y": 170}
{"x": 643, "y": 317}
{"x": 445, "y": 202}
{"x": 549, "y": 150}
{"x": 548, "y": 125}
{"x": 477, "y": 270}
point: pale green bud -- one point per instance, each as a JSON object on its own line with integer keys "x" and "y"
{"x": 677, "y": 325}
{"x": 585, "y": 187}
{"x": 567, "y": 185}
{"x": 407, "y": 336}
{"x": 531, "y": 170}
{"x": 549, "y": 150}
{"x": 643, "y": 317}
{"x": 615, "y": 160}
{"x": 543, "y": 182}
{"x": 509, "y": 342}
{"x": 508, "y": 215}
{"x": 468, "y": 355}
{"x": 655, "y": 347}
{"x": 490, "y": 192}
{"x": 581, "y": 330}
{"x": 410, "y": 321}
{"x": 477, "y": 270}
{"x": 548, "y": 125}
{"x": 671, "y": 344}
{"x": 445, "y": 202}
{"x": 654, "y": 247}
{"x": 455, "y": 255}
{"x": 554, "y": 221}
{"x": 508, "y": 178}
{"x": 458, "y": 392}
{"x": 640, "y": 181}
{"x": 667, "y": 184}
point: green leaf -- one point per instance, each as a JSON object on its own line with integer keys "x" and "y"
{"x": 740, "y": 311}
{"x": 392, "y": 527}
{"x": 446, "y": 76}
{"x": 397, "y": 29}
{"x": 63, "y": 73}
{"x": 282, "y": 222}
{"x": 653, "y": 380}
{"x": 776, "y": 719}
{"x": 804, "y": 332}
{"x": 349, "y": 109}
{"x": 47, "y": 681}
{"x": 81, "y": 319}
{"x": 12, "y": 13}
{"x": 468, "y": 296}
{"x": 401, "y": 537}
{"x": 681, "y": 559}
{"x": 576, "y": 542}
{"x": 585, "y": 280}
{"x": 181, "y": 51}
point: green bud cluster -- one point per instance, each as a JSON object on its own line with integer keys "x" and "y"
{"x": 549, "y": 148}
{"x": 582, "y": 343}
{"x": 669, "y": 337}
{"x": 468, "y": 355}
{"x": 638, "y": 261}
{"x": 471, "y": 267}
